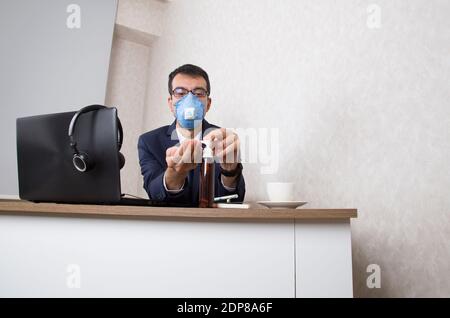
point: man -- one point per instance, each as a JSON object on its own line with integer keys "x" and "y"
{"x": 170, "y": 155}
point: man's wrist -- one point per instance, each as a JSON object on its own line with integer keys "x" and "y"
{"x": 174, "y": 180}
{"x": 231, "y": 171}
{"x": 228, "y": 166}
{"x": 229, "y": 183}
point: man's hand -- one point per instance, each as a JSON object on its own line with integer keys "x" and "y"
{"x": 180, "y": 160}
{"x": 225, "y": 144}
{"x": 226, "y": 147}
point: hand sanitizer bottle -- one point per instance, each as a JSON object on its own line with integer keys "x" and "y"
{"x": 207, "y": 177}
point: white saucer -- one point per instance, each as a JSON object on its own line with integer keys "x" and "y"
{"x": 282, "y": 204}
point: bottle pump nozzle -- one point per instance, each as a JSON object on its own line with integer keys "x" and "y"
{"x": 207, "y": 150}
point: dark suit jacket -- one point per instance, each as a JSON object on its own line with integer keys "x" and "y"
{"x": 152, "y": 148}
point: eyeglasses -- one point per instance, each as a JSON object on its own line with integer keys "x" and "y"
{"x": 179, "y": 92}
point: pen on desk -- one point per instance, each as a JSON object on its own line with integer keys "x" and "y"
{"x": 226, "y": 197}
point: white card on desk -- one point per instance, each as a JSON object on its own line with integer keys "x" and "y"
{"x": 233, "y": 205}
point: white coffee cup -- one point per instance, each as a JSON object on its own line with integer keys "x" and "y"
{"x": 280, "y": 191}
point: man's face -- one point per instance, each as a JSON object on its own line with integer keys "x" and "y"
{"x": 188, "y": 82}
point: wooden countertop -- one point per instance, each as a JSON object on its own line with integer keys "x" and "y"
{"x": 57, "y": 209}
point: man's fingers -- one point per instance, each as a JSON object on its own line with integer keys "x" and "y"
{"x": 178, "y": 156}
{"x": 229, "y": 140}
{"x": 173, "y": 155}
{"x": 189, "y": 152}
{"x": 192, "y": 149}
{"x": 229, "y": 154}
{"x": 171, "y": 151}
{"x": 228, "y": 146}
{"x": 221, "y": 138}
{"x": 216, "y": 134}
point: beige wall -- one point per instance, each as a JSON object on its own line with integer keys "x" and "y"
{"x": 362, "y": 112}
{"x": 127, "y": 86}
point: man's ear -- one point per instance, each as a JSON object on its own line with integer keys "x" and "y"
{"x": 170, "y": 104}
{"x": 208, "y": 105}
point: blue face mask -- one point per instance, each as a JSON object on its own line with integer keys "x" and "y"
{"x": 189, "y": 111}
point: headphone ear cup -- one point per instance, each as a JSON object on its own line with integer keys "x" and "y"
{"x": 121, "y": 160}
{"x": 82, "y": 162}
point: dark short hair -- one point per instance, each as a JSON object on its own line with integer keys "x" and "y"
{"x": 191, "y": 70}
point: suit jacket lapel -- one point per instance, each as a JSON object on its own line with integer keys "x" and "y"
{"x": 171, "y": 135}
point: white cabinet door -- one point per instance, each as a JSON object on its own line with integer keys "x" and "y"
{"x": 52, "y": 256}
{"x": 323, "y": 259}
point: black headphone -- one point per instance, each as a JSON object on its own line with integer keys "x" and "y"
{"x": 81, "y": 160}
